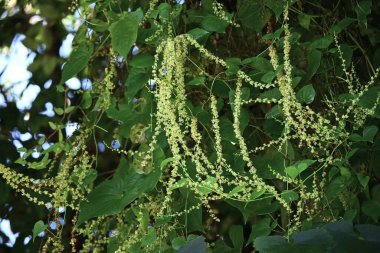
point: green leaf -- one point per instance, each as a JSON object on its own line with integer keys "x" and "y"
{"x": 237, "y": 189}
{"x": 268, "y": 77}
{"x": 369, "y": 133}
{"x": 150, "y": 237}
{"x": 208, "y": 185}
{"x": 180, "y": 183}
{"x": 198, "y": 33}
{"x": 294, "y": 170}
{"x": 314, "y": 61}
{"x": 39, "y": 227}
{"x": 271, "y": 94}
{"x": 114, "y": 195}
{"x": 178, "y": 242}
{"x": 261, "y": 228}
{"x": 276, "y": 6}
{"x": 342, "y": 24}
{"x": 270, "y": 244}
{"x": 214, "y": 24}
{"x": 321, "y": 43}
{"x": 345, "y": 172}
{"x": 306, "y": 94}
{"x": 197, "y": 81}
{"x": 166, "y": 162}
{"x": 237, "y": 237}
{"x": 86, "y": 100}
{"x": 363, "y": 179}
{"x": 58, "y": 110}
{"x": 355, "y": 137}
{"x": 259, "y": 63}
{"x": 41, "y": 164}
{"x": 254, "y": 15}
{"x": 77, "y": 61}
{"x": 371, "y": 208}
{"x": 363, "y": 9}
{"x": 162, "y": 220}
{"x": 142, "y": 61}
{"x": 304, "y": 20}
{"x": 289, "y": 196}
{"x": 124, "y": 34}
{"x": 368, "y": 99}
{"x": 274, "y": 113}
{"x": 256, "y": 193}
{"x": 98, "y": 25}
{"x": 136, "y": 80}
{"x": 192, "y": 218}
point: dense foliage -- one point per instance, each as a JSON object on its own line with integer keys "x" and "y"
{"x": 202, "y": 126}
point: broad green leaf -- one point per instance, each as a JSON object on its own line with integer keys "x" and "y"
{"x": 368, "y": 99}
{"x": 271, "y": 244}
{"x": 150, "y": 237}
{"x": 289, "y": 196}
{"x": 98, "y": 25}
{"x": 86, "y": 100}
{"x": 178, "y": 242}
{"x": 39, "y": 227}
{"x": 306, "y": 94}
{"x": 369, "y": 133}
{"x": 198, "y": 33}
{"x": 142, "y": 61}
{"x": 58, "y": 110}
{"x": 254, "y": 14}
{"x": 345, "y": 172}
{"x": 180, "y": 183}
{"x": 304, "y": 20}
{"x": 355, "y": 137}
{"x": 259, "y": 63}
{"x": 256, "y": 193}
{"x": 350, "y": 214}
{"x": 268, "y": 77}
{"x": 41, "y": 164}
{"x": 321, "y": 43}
{"x": 275, "y": 35}
{"x": 136, "y": 80}
{"x": 208, "y": 185}
{"x": 342, "y": 24}
{"x": 276, "y": 6}
{"x": 314, "y": 61}
{"x": 162, "y": 220}
{"x": 375, "y": 192}
{"x": 166, "y": 162}
{"x": 363, "y": 179}
{"x": 257, "y": 207}
{"x": 261, "y": 228}
{"x": 124, "y": 34}
{"x": 236, "y": 190}
{"x": 214, "y": 24}
{"x": 237, "y": 236}
{"x": 192, "y": 218}
{"x": 294, "y": 170}
{"x": 197, "y": 81}
{"x": 113, "y": 195}
{"x": 371, "y": 208}
{"x": 274, "y": 112}
{"x": 77, "y": 61}
{"x": 363, "y": 9}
